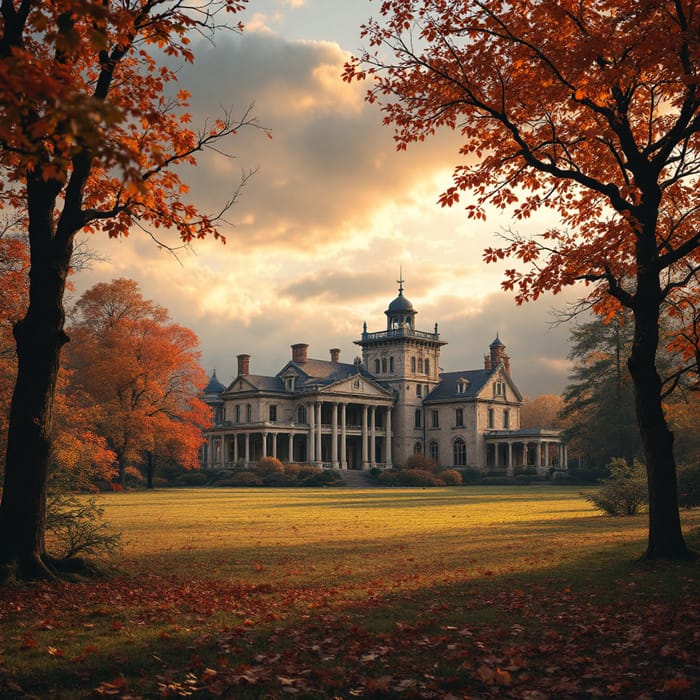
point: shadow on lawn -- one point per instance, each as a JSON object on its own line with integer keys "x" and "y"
{"x": 445, "y": 625}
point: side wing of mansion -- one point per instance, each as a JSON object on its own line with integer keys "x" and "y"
{"x": 378, "y": 410}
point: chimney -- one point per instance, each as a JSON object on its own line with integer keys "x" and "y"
{"x": 243, "y": 365}
{"x": 299, "y": 352}
{"x": 506, "y": 363}
{"x": 487, "y": 363}
{"x": 335, "y": 355}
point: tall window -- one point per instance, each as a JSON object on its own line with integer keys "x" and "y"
{"x": 273, "y": 413}
{"x": 301, "y": 414}
{"x": 238, "y": 414}
{"x": 436, "y": 418}
{"x": 391, "y": 365}
{"x": 490, "y": 418}
{"x": 427, "y": 366}
{"x": 418, "y": 448}
{"x": 419, "y": 390}
{"x": 418, "y": 419}
{"x": 499, "y": 388}
{"x": 383, "y": 364}
{"x": 413, "y": 365}
{"x": 434, "y": 452}
{"x": 459, "y": 418}
{"x": 420, "y": 364}
{"x": 249, "y": 413}
{"x": 377, "y": 367}
{"x": 506, "y": 419}
{"x": 460, "y": 453}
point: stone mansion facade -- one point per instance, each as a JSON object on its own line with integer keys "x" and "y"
{"x": 378, "y": 410}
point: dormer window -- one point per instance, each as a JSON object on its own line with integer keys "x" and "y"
{"x": 462, "y": 386}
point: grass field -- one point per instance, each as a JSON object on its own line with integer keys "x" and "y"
{"x": 460, "y": 592}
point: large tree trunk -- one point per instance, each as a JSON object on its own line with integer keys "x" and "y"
{"x": 39, "y": 337}
{"x": 665, "y": 534}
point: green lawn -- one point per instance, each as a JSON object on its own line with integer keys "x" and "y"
{"x": 521, "y": 592}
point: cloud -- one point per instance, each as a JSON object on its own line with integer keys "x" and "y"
{"x": 317, "y": 240}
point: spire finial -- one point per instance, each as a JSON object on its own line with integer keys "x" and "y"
{"x": 400, "y": 280}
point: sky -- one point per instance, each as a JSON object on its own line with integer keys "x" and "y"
{"x": 315, "y": 244}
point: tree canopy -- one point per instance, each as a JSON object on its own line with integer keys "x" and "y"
{"x": 590, "y": 110}
{"x": 93, "y": 134}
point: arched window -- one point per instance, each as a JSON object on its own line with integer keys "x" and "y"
{"x": 434, "y": 452}
{"x": 383, "y": 364}
{"x": 391, "y": 365}
{"x": 377, "y": 367}
{"x": 418, "y": 449}
{"x": 301, "y": 414}
{"x": 413, "y": 365}
{"x": 427, "y": 366}
{"x": 459, "y": 418}
{"x": 249, "y": 413}
{"x": 420, "y": 364}
{"x": 238, "y": 414}
{"x": 460, "y": 453}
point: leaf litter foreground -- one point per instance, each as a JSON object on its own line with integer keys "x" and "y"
{"x": 450, "y": 593}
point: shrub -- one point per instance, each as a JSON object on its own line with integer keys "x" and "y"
{"x": 196, "y": 478}
{"x": 451, "y": 477}
{"x": 689, "y": 485}
{"x": 418, "y": 477}
{"x": 241, "y": 479}
{"x": 292, "y": 469}
{"x": 624, "y": 491}
{"x": 420, "y": 462}
{"x": 306, "y": 470}
{"x": 469, "y": 475}
{"x": 269, "y": 465}
{"x": 75, "y": 527}
{"x": 280, "y": 479}
{"x": 323, "y": 477}
{"x": 388, "y": 478}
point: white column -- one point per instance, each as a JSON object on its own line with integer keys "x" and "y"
{"x": 388, "y": 440}
{"x": 210, "y": 452}
{"x": 247, "y": 448}
{"x": 311, "y": 456}
{"x": 221, "y": 451}
{"x": 343, "y": 437}
{"x": 319, "y": 451}
{"x": 290, "y": 448}
{"x": 509, "y": 465}
{"x": 365, "y": 465}
{"x": 546, "y": 454}
{"x": 372, "y": 435}
{"x": 264, "y": 445}
{"x": 235, "y": 449}
{"x": 334, "y": 436}
{"x": 274, "y": 445}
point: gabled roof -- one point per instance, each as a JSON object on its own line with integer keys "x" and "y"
{"x": 318, "y": 372}
{"x": 447, "y": 388}
{"x": 259, "y": 382}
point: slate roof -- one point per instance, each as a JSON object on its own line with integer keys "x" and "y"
{"x": 214, "y": 386}
{"x": 263, "y": 383}
{"x": 320, "y": 372}
{"x": 447, "y": 388}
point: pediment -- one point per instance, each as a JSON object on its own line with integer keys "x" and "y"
{"x": 358, "y": 385}
{"x": 512, "y": 391}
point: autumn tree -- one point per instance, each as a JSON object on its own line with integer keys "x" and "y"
{"x": 590, "y": 110}
{"x": 92, "y": 134}
{"x": 141, "y": 373}
{"x": 542, "y": 411}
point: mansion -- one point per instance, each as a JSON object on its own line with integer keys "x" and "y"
{"x": 378, "y": 410}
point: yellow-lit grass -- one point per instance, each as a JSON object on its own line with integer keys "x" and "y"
{"x": 274, "y": 559}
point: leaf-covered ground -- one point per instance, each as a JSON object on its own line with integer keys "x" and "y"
{"x": 459, "y": 595}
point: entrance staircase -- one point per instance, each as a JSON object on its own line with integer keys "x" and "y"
{"x": 355, "y": 479}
